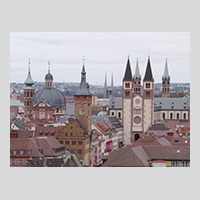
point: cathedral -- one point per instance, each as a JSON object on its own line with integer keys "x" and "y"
{"x": 140, "y": 109}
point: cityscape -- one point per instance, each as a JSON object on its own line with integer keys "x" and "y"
{"x": 137, "y": 124}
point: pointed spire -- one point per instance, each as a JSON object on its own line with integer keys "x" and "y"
{"x": 148, "y": 74}
{"x": 29, "y": 81}
{"x": 112, "y": 85}
{"x": 128, "y": 74}
{"x": 49, "y": 66}
{"x": 83, "y": 89}
{"x": 137, "y": 71}
{"x": 166, "y": 72}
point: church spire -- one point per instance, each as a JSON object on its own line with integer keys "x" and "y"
{"x": 137, "y": 72}
{"x": 29, "y": 81}
{"x": 148, "y": 74}
{"x": 105, "y": 86}
{"x": 128, "y": 74}
{"x": 83, "y": 89}
{"x": 112, "y": 87}
{"x": 166, "y": 72}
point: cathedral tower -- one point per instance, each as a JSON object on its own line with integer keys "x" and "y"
{"x": 83, "y": 102}
{"x": 127, "y": 103}
{"x": 166, "y": 82}
{"x": 148, "y": 97}
{"x": 29, "y": 91}
{"x": 49, "y": 78}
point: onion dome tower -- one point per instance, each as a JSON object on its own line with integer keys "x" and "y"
{"x": 29, "y": 91}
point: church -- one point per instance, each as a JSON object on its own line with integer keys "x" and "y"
{"x": 140, "y": 109}
{"x": 47, "y": 104}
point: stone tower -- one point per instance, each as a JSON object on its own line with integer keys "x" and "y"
{"x": 29, "y": 91}
{"x": 148, "y": 97}
{"x": 127, "y": 104}
{"x": 166, "y": 82}
{"x": 83, "y": 102}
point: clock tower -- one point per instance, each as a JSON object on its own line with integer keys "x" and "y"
{"x": 83, "y": 102}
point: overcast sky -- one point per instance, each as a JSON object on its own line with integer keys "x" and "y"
{"x": 104, "y": 52}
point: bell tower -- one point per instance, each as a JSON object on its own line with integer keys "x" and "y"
{"x": 83, "y": 102}
{"x": 127, "y": 103}
{"x": 148, "y": 97}
{"x": 29, "y": 91}
{"x": 166, "y": 82}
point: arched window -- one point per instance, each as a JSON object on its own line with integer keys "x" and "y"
{"x": 57, "y": 110}
{"x": 147, "y": 94}
{"x": 127, "y": 93}
{"x": 147, "y": 85}
{"x": 27, "y": 94}
{"x": 171, "y": 115}
{"x": 163, "y": 115}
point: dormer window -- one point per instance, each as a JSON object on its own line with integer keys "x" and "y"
{"x": 28, "y": 152}
{"x": 40, "y": 150}
{"x": 14, "y": 152}
{"x": 21, "y": 152}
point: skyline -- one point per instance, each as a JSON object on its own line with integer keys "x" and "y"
{"x": 105, "y": 52}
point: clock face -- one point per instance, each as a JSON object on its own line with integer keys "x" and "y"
{"x": 137, "y": 120}
{"x": 81, "y": 111}
{"x": 137, "y": 101}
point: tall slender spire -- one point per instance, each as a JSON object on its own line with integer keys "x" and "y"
{"x": 49, "y": 66}
{"x": 166, "y": 72}
{"x": 29, "y": 81}
{"x": 137, "y": 71}
{"x": 112, "y": 85}
{"x": 128, "y": 74}
{"x": 105, "y": 86}
{"x": 148, "y": 74}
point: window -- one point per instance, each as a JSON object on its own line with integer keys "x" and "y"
{"x": 61, "y": 142}
{"x": 127, "y": 85}
{"x": 177, "y": 115}
{"x": 28, "y": 152}
{"x": 119, "y": 115}
{"x": 85, "y": 97}
{"x": 73, "y": 142}
{"x": 147, "y": 85}
{"x": 163, "y": 115}
{"x": 13, "y": 161}
{"x": 71, "y": 127}
{"x": 15, "y": 152}
{"x": 171, "y": 115}
{"x": 27, "y": 94}
{"x": 71, "y": 134}
{"x": 174, "y": 163}
{"x": 147, "y": 94}
{"x": 65, "y": 134}
{"x": 27, "y": 103}
{"x": 113, "y": 113}
{"x": 20, "y": 162}
{"x": 26, "y": 162}
{"x": 67, "y": 142}
{"x": 80, "y": 151}
{"x": 127, "y": 93}
{"x": 31, "y": 94}
{"x": 57, "y": 110}
{"x": 78, "y": 97}
{"x": 170, "y": 134}
{"x": 79, "y": 142}
{"x": 21, "y": 152}
{"x": 184, "y": 116}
